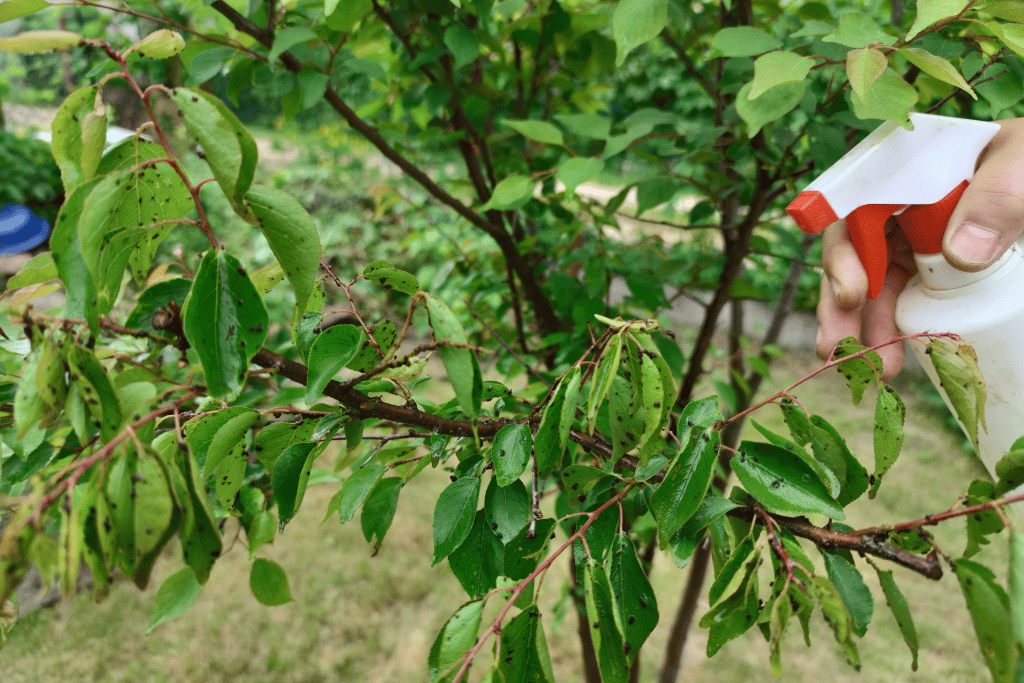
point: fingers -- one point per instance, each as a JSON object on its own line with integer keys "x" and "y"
{"x": 879, "y": 322}
{"x": 990, "y": 215}
{"x": 834, "y": 322}
{"x": 849, "y": 282}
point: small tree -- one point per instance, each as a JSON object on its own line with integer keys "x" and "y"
{"x": 175, "y": 391}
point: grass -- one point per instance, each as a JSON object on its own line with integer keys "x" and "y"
{"x": 362, "y": 618}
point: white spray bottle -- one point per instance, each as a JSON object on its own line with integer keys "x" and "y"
{"x": 917, "y": 176}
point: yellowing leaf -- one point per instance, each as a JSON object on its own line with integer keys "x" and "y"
{"x": 39, "y": 41}
{"x": 931, "y": 12}
{"x": 776, "y": 68}
{"x": 939, "y": 68}
{"x": 863, "y": 67}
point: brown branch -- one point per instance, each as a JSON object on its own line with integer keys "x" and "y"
{"x": 829, "y": 539}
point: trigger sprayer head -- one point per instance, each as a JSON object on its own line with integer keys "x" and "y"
{"x": 891, "y": 169}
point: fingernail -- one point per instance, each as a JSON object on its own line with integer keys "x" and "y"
{"x": 973, "y": 243}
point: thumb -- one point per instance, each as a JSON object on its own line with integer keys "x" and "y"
{"x": 990, "y": 215}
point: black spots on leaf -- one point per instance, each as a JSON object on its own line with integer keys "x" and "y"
{"x": 239, "y": 302}
{"x": 631, "y": 620}
{"x": 231, "y": 330}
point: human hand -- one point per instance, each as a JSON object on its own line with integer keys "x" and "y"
{"x": 988, "y": 219}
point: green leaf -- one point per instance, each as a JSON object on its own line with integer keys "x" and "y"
{"x": 332, "y": 350}
{"x": 157, "y": 516}
{"x": 1016, "y": 584}
{"x": 686, "y": 481}
{"x": 604, "y": 632}
{"x": 225, "y": 321}
{"x": 933, "y": 11}
{"x": 511, "y": 193}
{"x": 827, "y": 474}
{"x": 936, "y": 67}
{"x": 454, "y": 513}
{"x": 313, "y": 84}
{"x": 16, "y": 9}
{"x": 478, "y": 562}
{"x": 523, "y": 551}
{"x": 770, "y": 106}
{"x": 890, "y": 98}
{"x": 261, "y": 531}
{"x": 520, "y": 659}
{"x": 40, "y": 268}
{"x": 743, "y": 561}
{"x": 160, "y": 44}
{"x": 858, "y": 30}
{"x": 288, "y": 38}
{"x": 796, "y": 419}
{"x": 984, "y": 523}
{"x": 604, "y": 374}
{"x": 548, "y": 446}
{"x": 176, "y": 594}
{"x": 66, "y": 131}
{"x": 357, "y": 487}
{"x": 1010, "y": 470}
{"x": 863, "y": 67}
{"x": 854, "y": 592}
{"x": 289, "y": 478}
{"x": 743, "y": 41}
{"x": 394, "y": 279}
{"x": 29, "y": 42}
{"x": 463, "y": 45}
{"x": 229, "y": 477}
{"x": 831, "y": 450}
{"x": 989, "y": 608}
{"x": 93, "y": 383}
{"x": 81, "y": 297}
{"x": 229, "y": 148}
{"x": 780, "y": 484}
{"x": 541, "y": 131}
{"x": 457, "y": 636}
{"x": 1003, "y": 91}
{"x": 889, "y": 416}
{"x": 200, "y": 538}
{"x": 901, "y": 611}
{"x": 229, "y": 435}
{"x": 510, "y": 452}
{"x": 578, "y": 170}
{"x": 385, "y": 334}
{"x": 626, "y": 422}
{"x": 292, "y": 236}
{"x": 732, "y": 618}
{"x": 961, "y": 380}
{"x": 860, "y": 372}
{"x": 342, "y": 16}
{"x": 506, "y": 509}
{"x": 269, "y": 583}
{"x": 836, "y": 617}
{"x": 776, "y": 68}
{"x": 635, "y": 22}
{"x": 379, "y": 509}
{"x": 635, "y": 602}
{"x": 460, "y": 363}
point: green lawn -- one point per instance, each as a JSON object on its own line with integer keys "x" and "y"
{"x": 362, "y": 618}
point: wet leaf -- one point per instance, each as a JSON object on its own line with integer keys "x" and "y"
{"x": 781, "y": 482}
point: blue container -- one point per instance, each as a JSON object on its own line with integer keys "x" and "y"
{"x": 20, "y": 229}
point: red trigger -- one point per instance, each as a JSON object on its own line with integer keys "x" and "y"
{"x": 866, "y": 225}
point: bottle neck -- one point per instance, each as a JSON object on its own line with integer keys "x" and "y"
{"x": 938, "y": 276}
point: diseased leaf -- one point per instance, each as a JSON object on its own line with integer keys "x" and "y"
{"x": 604, "y": 375}
{"x": 478, "y": 562}
{"x": 225, "y": 321}
{"x": 330, "y": 351}
{"x": 547, "y": 445}
{"x": 292, "y": 236}
{"x": 686, "y": 481}
{"x": 830, "y": 449}
{"x": 510, "y": 452}
{"x": 521, "y": 657}
{"x": 859, "y": 372}
{"x": 780, "y": 484}
{"x": 394, "y": 279}
{"x": 357, "y": 487}
{"x": 229, "y": 148}
{"x": 961, "y": 380}
{"x": 836, "y": 617}
{"x": 989, "y": 607}
{"x": 457, "y": 636}
{"x": 604, "y": 632}
{"x": 898, "y": 604}
{"x": 635, "y": 602}
{"x": 506, "y": 509}
{"x": 889, "y": 416}
{"x": 523, "y": 551}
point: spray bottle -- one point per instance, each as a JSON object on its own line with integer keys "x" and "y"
{"x": 918, "y": 176}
